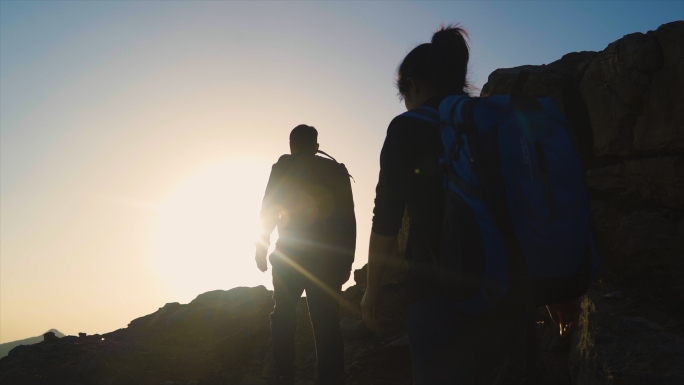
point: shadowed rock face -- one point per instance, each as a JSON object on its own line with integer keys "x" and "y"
{"x": 221, "y": 337}
{"x": 632, "y": 91}
{"x": 559, "y": 81}
{"x": 626, "y": 106}
{"x": 8, "y": 346}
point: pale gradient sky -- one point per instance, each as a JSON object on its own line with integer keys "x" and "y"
{"x": 137, "y": 137}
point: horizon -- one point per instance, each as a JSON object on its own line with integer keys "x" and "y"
{"x": 137, "y": 138}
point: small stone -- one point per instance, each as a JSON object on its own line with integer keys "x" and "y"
{"x": 354, "y": 329}
{"x": 50, "y": 337}
{"x": 647, "y": 323}
{"x": 403, "y": 341}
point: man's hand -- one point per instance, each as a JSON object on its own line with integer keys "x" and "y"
{"x": 565, "y": 315}
{"x": 368, "y": 303}
{"x": 260, "y": 258}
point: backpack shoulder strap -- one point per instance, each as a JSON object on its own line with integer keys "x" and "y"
{"x": 326, "y": 154}
{"x": 428, "y": 114}
{"x": 335, "y": 160}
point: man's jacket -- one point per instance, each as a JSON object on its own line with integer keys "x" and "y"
{"x": 309, "y": 199}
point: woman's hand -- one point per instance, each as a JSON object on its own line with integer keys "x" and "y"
{"x": 379, "y": 250}
{"x": 368, "y": 303}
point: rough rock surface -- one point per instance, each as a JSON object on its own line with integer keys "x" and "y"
{"x": 618, "y": 344}
{"x": 8, "y": 346}
{"x": 626, "y": 106}
{"x": 221, "y": 337}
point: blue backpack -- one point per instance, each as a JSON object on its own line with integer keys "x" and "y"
{"x": 516, "y": 207}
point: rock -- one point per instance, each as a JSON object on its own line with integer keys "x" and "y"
{"x": 232, "y": 298}
{"x": 18, "y": 350}
{"x": 95, "y": 369}
{"x": 659, "y": 126}
{"x": 361, "y": 276}
{"x": 626, "y": 106}
{"x": 615, "y": 294}
{"x": 268, "y": 370}
{"x": 354, "y": 329}
{"x": 403, "y": 341}
{"x": 395, "y": 271}
{"x": 233, "y": 348}
{"x": 610, "y": 347}
{"x": 558, "y": 81}
{"x": 660, "y": 179}
{"x": 647, "y": 323}
{"x": 252, "y": 380}
{"x": 630, "y": 90}
{"x": 50, "y": 337}
{"x": 641, "y": 243}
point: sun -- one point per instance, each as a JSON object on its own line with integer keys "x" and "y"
{"x": 206, "y": 229}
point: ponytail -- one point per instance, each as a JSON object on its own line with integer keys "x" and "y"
{"x": 441, "y": 64}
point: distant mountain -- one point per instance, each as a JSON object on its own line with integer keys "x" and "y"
{"x": 6, "y": 347}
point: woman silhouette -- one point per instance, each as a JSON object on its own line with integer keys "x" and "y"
{"x": 447, "y": 346}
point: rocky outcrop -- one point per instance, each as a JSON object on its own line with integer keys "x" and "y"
{"x": 221, "y": 337}
{"x": 558, "y": 80}
{"x": 8, "y": 346}
{"x": 627, "y": 109}
{"x": 616, "y": 346}
{"x": 632, "y": 91}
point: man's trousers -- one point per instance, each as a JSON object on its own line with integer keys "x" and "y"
{"x": 323, "y": 299}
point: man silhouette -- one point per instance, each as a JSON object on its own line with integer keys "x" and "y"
{"x": 309, "y": 199}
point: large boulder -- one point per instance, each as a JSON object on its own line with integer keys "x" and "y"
{"x": 613, "y": 347}
{"x": 632, "y": 91}
{"x": 559, "y": 81}
{"x": 626, "y": 106}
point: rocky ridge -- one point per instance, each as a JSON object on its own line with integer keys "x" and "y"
{"x": 7, "y": 346}
{"x": 221, "y": 337}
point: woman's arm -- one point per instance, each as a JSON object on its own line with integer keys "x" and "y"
{"x": 379, "y": 251}
{"x": 390, "y": 203}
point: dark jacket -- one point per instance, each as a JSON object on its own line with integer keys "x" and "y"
{"x": 309, "y": 199}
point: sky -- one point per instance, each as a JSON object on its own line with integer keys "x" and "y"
{"x": 136, "y": 137}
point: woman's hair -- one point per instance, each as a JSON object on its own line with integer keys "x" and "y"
{"x": 441, "y": 64}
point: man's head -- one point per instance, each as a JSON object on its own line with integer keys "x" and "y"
{"x": 303, "y": 139}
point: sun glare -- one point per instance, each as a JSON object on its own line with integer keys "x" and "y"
{"x": 204, "y": 239}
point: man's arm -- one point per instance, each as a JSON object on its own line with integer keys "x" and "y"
{"x": 269, "y": 218}
{"x": 379, "y": 252}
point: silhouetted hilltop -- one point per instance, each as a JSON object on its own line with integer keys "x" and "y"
{"x": 627, "y": 108}
{"x": 7, "y": 346}
{"x": 221, "y": 337}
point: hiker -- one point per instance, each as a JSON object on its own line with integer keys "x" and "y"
{"x": 471, "y": 298}
{"x": 309, "y": 199}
